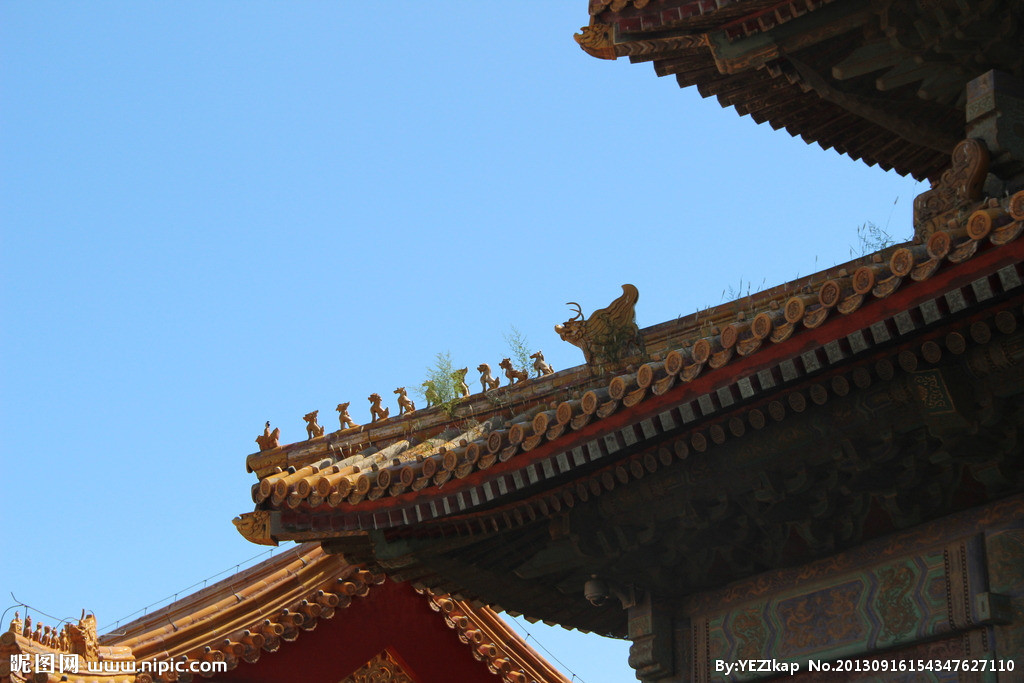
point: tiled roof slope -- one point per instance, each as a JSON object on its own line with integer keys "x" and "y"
{"x": 412, "y": 470}
{"x": 493, "y": 641}
{"x": 882, "y": 82}
{"x": 251, "y": 612}
{"x": 14, "y": 644}
{"x": 272, "y": 603}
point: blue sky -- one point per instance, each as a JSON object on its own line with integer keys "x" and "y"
{"x": 215, "y": 214}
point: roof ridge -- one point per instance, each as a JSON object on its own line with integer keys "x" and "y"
{"x": 685, "y": 352}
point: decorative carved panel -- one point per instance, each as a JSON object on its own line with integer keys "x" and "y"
{"x": 896, "y": 604}
{"x": 255, "y": 527}
{"x": 959, "y": 187}
{"x": 383, "y": 668}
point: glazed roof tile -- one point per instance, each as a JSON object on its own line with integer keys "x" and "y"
{"x": 259, "y": 609}
{"x": 505, "y": 652}
{"x": 542, "y": 430}
{"x": 13, "y": 644}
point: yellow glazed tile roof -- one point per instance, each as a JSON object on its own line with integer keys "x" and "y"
{"x": 260, "y": 609}
{"x": 411, "y": 469}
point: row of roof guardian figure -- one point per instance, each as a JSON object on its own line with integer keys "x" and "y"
{"x": 607, "y": 336}
{"x": 271, "y": 438}
{"x": 77, "y": 638}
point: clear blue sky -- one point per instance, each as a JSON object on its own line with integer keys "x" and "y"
{"x": 214, "y": 214}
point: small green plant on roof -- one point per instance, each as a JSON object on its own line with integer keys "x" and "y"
{"x": 441, "y": 389}
{"x": 703, "y": 321}
{"x": 519, "y": 349}
{"x": 731, "y": 293}
{"x": 870, "y": 238}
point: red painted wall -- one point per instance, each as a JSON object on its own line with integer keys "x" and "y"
{"x": 392, "y": 616}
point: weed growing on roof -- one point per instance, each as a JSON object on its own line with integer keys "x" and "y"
{"x": 440, "y": 388}
{"x": 519, "y": 349}
{"x": 732, "y": 294}
{"x": 870, "y": 238}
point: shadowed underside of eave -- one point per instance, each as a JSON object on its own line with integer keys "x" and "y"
{"x": 906, "y": 436}
{"x": 883, "y": 82}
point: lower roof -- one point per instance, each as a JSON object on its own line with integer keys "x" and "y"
{"x": 264, "y": 609}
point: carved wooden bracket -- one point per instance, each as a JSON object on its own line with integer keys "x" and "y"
{"x": 995, "y": 114}
{"x": 650, "y": 629}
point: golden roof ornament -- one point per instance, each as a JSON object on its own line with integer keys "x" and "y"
{"x": 460, "y": 381}
{"x": 313, "y": 428}
{"x": 487, "y": 382}
{"x": 960, "y": 185}
{"x": 405, "y": 404}
{"x": 540, "y": 365}
{"x": 514, "y": 376}
{"x": 343, "y": 417}
{"x": 382, "y": 668}
{"x": 431, "y": 394}
{"x": 376, "y": 411}
{"x": 596, "y": 40}
{"x": 269, "y": 439}
{"x": 82, "y": 635}
{"x": 255, "y": 527}
{"x": 610, "y": 334}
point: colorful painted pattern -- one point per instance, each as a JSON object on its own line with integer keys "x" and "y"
{"x": 1005, "y": 552}
{"x": 890, "y": 605}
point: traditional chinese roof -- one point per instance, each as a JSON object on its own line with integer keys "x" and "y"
{"x": 257, "y": 613}
{"x": 16, "y": 642}
{"x": 881, "y": 81}
{"x": 767, "y": 431}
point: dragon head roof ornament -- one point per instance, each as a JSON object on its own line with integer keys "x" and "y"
{"x": 610, "y": 334}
